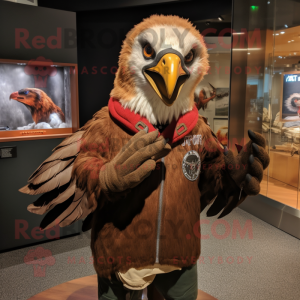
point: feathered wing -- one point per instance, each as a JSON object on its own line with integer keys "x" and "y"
{"x": 69, "y": 178}
{"x": 53, "y": 178}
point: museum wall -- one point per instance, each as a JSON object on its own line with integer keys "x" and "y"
{"x": 18, "y": 227}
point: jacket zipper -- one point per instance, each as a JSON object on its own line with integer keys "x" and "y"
{"x": 160, "y": 202}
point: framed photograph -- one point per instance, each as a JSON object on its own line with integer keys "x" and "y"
{"x": 222, "y": 102}
{"x": 38, "y": 99}
{"x": 220, "y": 129}
{"x": 290, "y": 97}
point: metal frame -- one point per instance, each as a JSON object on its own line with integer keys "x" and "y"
{"x": 282, "y": 216}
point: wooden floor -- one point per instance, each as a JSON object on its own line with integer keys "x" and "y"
{"x": 85, "y": 289}
{"x": 280, "y": 192}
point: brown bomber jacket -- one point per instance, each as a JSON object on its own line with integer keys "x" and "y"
{"x": 158, "y": 221}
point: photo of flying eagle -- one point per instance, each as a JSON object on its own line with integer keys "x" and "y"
{"x": 292, "y": 103}
{"x": 39, "y": 104}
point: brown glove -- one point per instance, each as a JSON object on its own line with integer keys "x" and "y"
{"x": 132, "y": 164}
{"x": 246, "y": 169}
{"x": 242, "y": 175}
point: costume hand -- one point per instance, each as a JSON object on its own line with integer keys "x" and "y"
{"x": 133, "y": 163}
{"x": 246, "y": 169}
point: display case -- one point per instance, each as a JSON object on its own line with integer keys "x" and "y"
{"x": 267, "y": 100}
{"x": 38, "y": 99}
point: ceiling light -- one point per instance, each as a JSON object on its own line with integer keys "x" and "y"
{"x": 286, "y": 26}
{"x": 282, "y": 32}
{"x": 292, "y": 40}
{"x": 269, "y": 2}
{"x": 248, "y": 53}
{"x": 277, "y": 34}
{"x": 245, "y": 49}
{"x": 289, "y": 41}
{"x": 220, "y": 18}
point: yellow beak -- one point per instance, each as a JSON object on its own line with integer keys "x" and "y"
{"x": 167, "y": 77}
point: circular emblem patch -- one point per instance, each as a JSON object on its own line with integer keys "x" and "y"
{"x": 191, "y": 165}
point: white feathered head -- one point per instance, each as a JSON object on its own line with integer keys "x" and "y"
{"x": 161, "y": 62}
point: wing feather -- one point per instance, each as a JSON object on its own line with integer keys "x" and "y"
{"x": 47, "y": 173}
{"x": 74, "y": 138}
{"x": 60, "y": 179}
{"x": 40, "y": 210}
{"x": 62, "y": 201}
{"x": 64, "y": 152}
{"x": 68, "y": 215}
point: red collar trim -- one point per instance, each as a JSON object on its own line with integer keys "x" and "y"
{"x": 175, "y": 131}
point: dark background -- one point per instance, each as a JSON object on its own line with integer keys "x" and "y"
{"x": 101, "y": 28}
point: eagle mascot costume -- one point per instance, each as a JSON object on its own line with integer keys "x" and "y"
{"x": 143, "y": 168}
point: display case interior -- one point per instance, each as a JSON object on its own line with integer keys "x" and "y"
{"x": 38, "y": 99}
{"x": 272, "y": 103}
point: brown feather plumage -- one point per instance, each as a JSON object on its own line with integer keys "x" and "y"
{"x": 40, "y": 210}
{"x": 78, "y": 161}
{"x": 72, "y": 213}
{"x": 75, "y": 137}
{"x": 48, "y": 171}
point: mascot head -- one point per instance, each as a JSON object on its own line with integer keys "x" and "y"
{"x": 161, "y": 62}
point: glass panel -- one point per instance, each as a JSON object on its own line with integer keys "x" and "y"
{"x": 284, "y": 136}
{"x": 266, "y": 52}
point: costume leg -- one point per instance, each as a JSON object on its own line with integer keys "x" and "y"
{"x": 114, "y": 290}
{"x": 136, "y": 295}
{"x": 179, "y": 284}
{"x": 111, "y": 289}
{"x": 153, "y": 294}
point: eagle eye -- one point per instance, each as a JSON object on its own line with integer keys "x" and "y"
{"x": 148, "y": 51}
{"x": 22, "y": 92}
{"x": 189, "y": 57}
